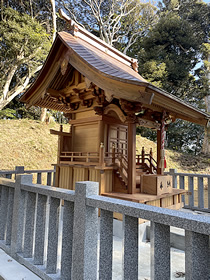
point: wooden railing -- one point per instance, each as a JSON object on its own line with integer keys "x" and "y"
{"x": 119, "y": 162}
{"x": 80, "y": 157}
{"x": 146, "y": 161}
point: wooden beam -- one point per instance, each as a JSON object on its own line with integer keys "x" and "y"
{"x": 86, "y": 120}
{"x": 60, "y": 133}
{"x": 53, "y": 93}
{"x": 100, "y": 133}
{"x": 147, "y": 123}
{"x": 159, "y": 170}
{"x": 131, "y": 158}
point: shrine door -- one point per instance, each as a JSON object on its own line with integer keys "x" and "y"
{"x": 118, "y": 136}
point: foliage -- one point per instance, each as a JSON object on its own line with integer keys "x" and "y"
{"x": 185, "y": 136}
{"x": 147, "y": 132}
{"x": 174, "y": 46}
{"x": 171, "y": 57}
{"x": 24, "y": 45}
{"x": 8, "y": 114}
{"x": 17, "y": 110}
{"x": 118, "y": 23}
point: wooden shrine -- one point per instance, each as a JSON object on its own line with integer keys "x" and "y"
{"x": 100, "y": 92}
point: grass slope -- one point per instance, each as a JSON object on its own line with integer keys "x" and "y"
{"x": 29, "y": 143}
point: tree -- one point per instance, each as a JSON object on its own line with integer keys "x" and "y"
{"x": 118, "y": 23}
{"x": 171, "y": 57}
{"x": 24, "y": 45}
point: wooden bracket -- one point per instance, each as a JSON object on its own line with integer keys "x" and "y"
{"x": 130, "y": 108}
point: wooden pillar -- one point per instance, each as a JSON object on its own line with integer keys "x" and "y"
{"x": 100, "y": 132}
{"x": 159, "y": 170}
{"x": 131, "y": 158}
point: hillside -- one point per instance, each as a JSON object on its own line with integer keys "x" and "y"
{"x": 29, "y": 143}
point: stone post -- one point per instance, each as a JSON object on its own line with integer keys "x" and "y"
{"x": 18, "y": 214}
{"x": 85, "y": 233}
{"x": 173, "y": 172}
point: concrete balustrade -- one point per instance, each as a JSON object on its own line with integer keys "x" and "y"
{"x": 198, "y": 187}
{"x": 48, "y": 176}
{"x": 32, "y": 216}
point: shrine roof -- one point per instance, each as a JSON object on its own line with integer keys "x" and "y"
{"x": 109, "y": 69}
{"x": 103, "y": 57}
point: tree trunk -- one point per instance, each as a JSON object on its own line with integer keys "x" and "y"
{"x": 206, "y": 141}
{"x": 43, "y": 114}
{"x": 17, "y": 90}
{"x": 8, "y": 81}
{"x": 53, "y": 18}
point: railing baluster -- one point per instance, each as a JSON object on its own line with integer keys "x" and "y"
{"x": 19, "y": 213}
{"x": 191, "y": 190}
{"x": 67, "y": 240}
{"x": 9, "y": 216}
{"x": 39, "y": 178}
{"x": 3, "y": 211}
{"x": 130, "y": 257}
{"x": 160, "y": 251}
{"x": 196, "y": 256}
{"x": 40, "y": 229}
{"x": 0, "y": 195}
{"x": 182, "y": 185}
{"x": 84, "y": 251}
{"x": 106, "y": 245}
{"x": 209, "y": 193}
{"x": 173, "y": 172}
{"x": 29, "y": 225}
{"x": 200, "y": 193}
{"x": 53, "y": 236}
{"x": 49, "y": 178}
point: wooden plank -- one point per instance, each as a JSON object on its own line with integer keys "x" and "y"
{"x": 85, "y": 138}
{"x": 142, "y": 198}
{"x": 66, "y": 177}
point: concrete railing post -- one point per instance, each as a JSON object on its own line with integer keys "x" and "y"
{"x": 200, "y": 193}
{"x": 54, "y": 173}
{"x": 196, "y": 256}
{"x": 18, "y": 214}
{"x": 209, "y": 193}
{"x": 182, "y": 185}
{"x": 173, "y": 172}
{"x": 130, "y": 244}
{"x": 85, "y": 235}
{"x": 19, "y": 170}
{"x": 160, "y": 251}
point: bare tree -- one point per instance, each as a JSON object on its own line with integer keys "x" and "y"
{"x": 53, "y": 12}
{"x": 54, "y": 30}
{"x": 114, "y": 21}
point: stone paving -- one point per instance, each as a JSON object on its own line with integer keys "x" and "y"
{"x": 177, "y": 261}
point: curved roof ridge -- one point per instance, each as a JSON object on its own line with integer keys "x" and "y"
{"x": 79, "y": 32}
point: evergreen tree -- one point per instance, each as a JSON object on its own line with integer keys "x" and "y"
{"x": 169, "y": 57}
{"x": 24, "y": 45}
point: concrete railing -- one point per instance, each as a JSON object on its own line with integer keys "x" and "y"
{"x": 63, "y": 244}
{"x": 198, "y": 187}
{"x": 46, "y": 177}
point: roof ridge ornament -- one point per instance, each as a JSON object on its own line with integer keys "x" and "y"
{"x": 79, "y": 32}
{"x": 70, "y": 24}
